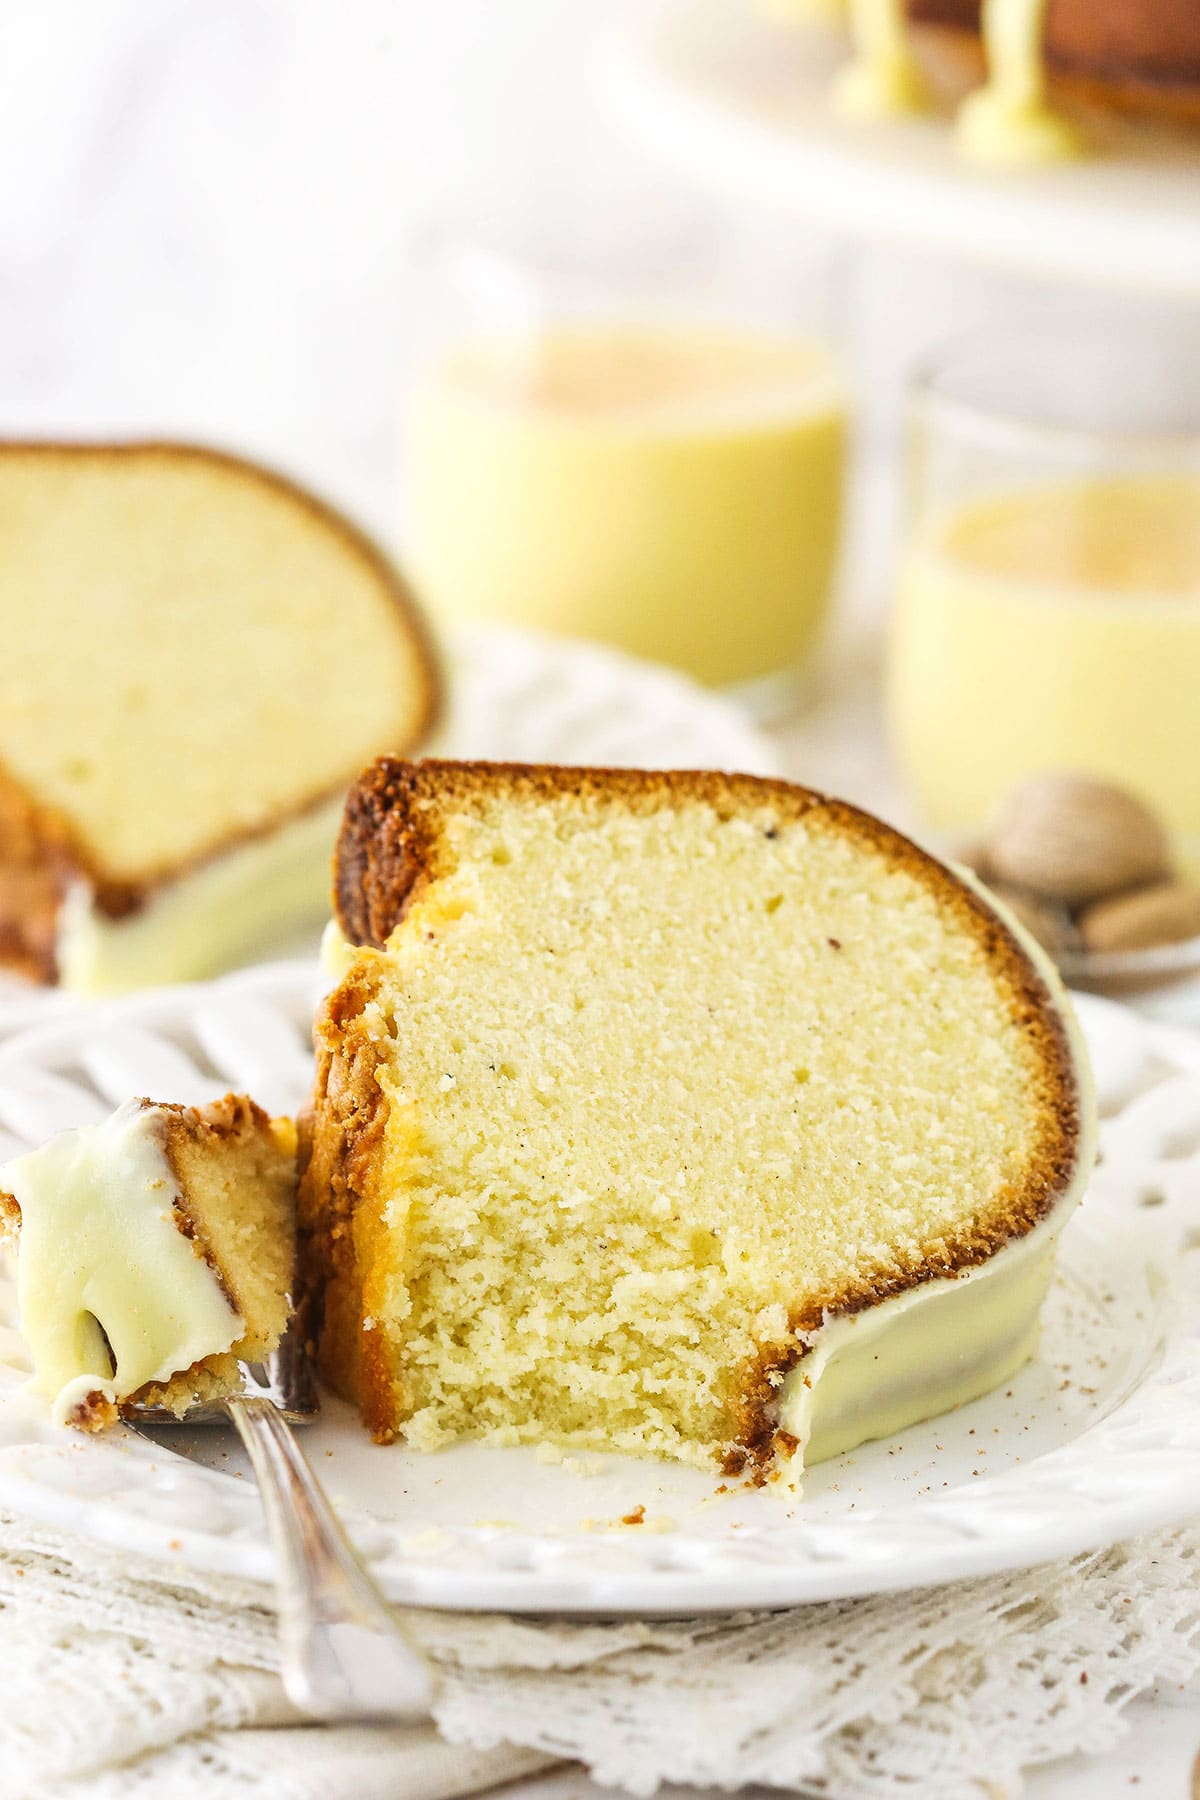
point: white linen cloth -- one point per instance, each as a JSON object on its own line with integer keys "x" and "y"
{"x": 127, "y": 1679}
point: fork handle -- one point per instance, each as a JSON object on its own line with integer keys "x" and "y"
{"x": 342, "y": 1654}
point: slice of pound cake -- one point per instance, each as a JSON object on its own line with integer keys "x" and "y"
{"x": 155, "y": 1251}
{"x": 198, "y": 659}
{"x": 688, "y": 1114}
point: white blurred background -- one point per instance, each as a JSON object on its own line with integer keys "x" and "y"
{"x": 209, "y": 207}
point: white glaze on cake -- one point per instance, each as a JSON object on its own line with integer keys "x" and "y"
{"x": 218, "y": 913}
{"x": 103, "y": 1265}
{"x": 1008, "y": 123}
{"x": 875, "y": 1372}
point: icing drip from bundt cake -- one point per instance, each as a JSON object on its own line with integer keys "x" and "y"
{"x": 885, "y": 78}
{"x": 1009, "y": 121}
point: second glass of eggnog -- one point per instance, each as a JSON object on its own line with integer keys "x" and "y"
{"x": 1047, "y": 612}
{"x": 661, "y": 476}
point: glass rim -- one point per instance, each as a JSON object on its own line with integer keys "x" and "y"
{"x": 1009, "y": 425}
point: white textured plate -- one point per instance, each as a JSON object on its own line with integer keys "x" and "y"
{"x": 743, "y": 102}
{"x": 1096, "y": 1439}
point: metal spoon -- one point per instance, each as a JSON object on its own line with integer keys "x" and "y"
{"x": 342, "y": 1652}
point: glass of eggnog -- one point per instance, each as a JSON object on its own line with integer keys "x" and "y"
{"x": 646, "y": 452}
{"x": 1047, "y": 613}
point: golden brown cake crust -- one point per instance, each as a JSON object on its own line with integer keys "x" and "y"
{"x": 388, "y": 851}
{"x": 38, "y": 859}
{"x": 40, "y": 854}
{"x": 339, "y": 1206}
{"x": 228, "y": 1117}
{"x": 10, "y": 1218}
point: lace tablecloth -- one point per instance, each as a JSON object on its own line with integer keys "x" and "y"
{"x": 124, "y": 1679}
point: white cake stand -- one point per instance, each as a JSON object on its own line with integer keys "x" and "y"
{"x": 743, "y": 103}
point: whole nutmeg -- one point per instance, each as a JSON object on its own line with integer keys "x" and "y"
{"x": 1048, "y": 925}
{"x": 1072, "y": 839}
{"x": 1166, "y": 914}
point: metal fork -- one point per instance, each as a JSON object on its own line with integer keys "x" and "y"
{"x": 342, "y": 1654}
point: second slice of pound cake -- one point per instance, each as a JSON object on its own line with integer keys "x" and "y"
{"x": 199, "y": 656}
{"x": 684, "y": 1114}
